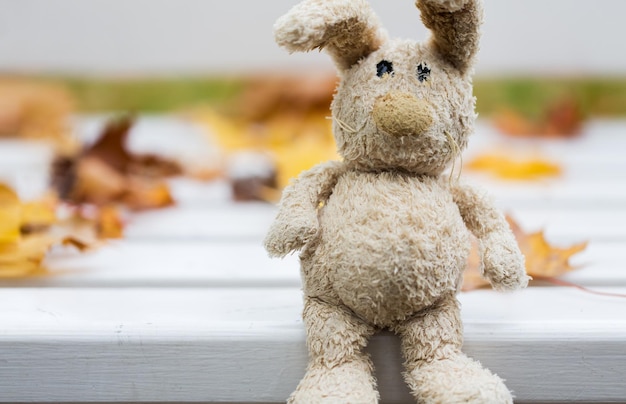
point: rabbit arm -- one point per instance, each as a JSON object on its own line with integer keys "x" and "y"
{"x": 503, "y": 263}
{"x": 347, "y": 29}
{"x": 296, "y": 222}
{"x": 455, "y": 27}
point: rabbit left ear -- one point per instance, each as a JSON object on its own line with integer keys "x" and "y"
{"x": 347, "y": 29}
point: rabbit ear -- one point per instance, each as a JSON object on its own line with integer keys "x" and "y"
{"x": 347, "y": 29}
{"x": 455, "y": 27}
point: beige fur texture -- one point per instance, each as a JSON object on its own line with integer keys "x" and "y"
{"x": 384, "y": 234}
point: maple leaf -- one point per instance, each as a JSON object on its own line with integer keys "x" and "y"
{"x": 514, "y": 166}
{"x": 543, "y": 260}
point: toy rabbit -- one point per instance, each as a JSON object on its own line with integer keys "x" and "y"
{"x": 384, "y": 234}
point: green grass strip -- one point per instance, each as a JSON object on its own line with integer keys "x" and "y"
{"x": 530, "y": 96}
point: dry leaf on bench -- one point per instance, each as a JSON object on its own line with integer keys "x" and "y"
{"x": 25, "y": 234}
{"x": 543, "y": 260}
{"x": 107, "y": 173}
{"x": 37, "y": 110}
{"x": 514, "y": 166}
{"x": 285, "y": 118}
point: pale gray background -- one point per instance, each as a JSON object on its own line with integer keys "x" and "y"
{"x": 161, "y": 37}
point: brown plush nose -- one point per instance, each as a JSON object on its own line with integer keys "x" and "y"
{"x": 402, "y": 114}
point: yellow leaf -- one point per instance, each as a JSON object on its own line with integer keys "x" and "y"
{"x": 38, "y": 215}
{"x": 10, "y": 215}
{"x": 514, "y": 167}
{"x": 25, "y": 256}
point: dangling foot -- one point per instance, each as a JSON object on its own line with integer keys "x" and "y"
{"x": 456, "y": 380}
{"x": 436, "y": 370}
{"x": 350, "y": 382}
{"x": 338, "y": 372}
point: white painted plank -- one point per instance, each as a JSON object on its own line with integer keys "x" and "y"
{"x": 556, "y": 193}
{"x": 227, "y": 222}
{"x": 193, "y": 263}
{"x": 250, "y": 221}
{"x": 173, "y": 264}
{"x": 135, "y": 345}
{"x": 550, "y": 194}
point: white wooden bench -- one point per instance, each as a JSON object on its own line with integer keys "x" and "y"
{"x": 188, "y": 308}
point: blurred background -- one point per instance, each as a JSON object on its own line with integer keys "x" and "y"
{"x": 545, "y": 68}
{"x": 198, "y": 37}
{"x": 565, "y": 44}
{"x": 109, "y": 107}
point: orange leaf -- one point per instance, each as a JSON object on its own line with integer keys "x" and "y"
{"x": 109, "y": 223}
{"x": 472, "y": 278}
{"x": 144, "y": 194}
{"x": 543, "y": 260}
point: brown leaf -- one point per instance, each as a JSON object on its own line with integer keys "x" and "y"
{"x": 110, "y": 148}
{"x": 97, "y": 183}
{"x": 109, "y": 223}
{"x": 142, "y": 194}
{"x": 107, "y": 173}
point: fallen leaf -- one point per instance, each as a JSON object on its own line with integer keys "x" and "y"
{"x": 38, "y": 215}
{"x": 10, "y": 215}
{"x": 472, "y": 278}
{"x": 252, "y": 176}
{"x": 36, "y": 109}
{"x": 514, "y": 166}
{"x": 109, "y": 223}
{"x": 28, "y": 231}
{"x": 107, "y": 173}
{"x": 25, "y": 255}
{"x": 543, "y": 260}
{"x": 285, "y": 118}
{"x": 144, "y": 194}
{"x": 110, "y": 148}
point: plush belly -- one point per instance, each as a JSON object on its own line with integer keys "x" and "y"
{"x": 392, "y": 244}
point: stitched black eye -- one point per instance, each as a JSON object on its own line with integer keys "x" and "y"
{"x": 384, "y": 67}
{"x": 423, "y": 72}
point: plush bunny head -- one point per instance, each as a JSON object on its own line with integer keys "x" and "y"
{"x": 401, "y": 105}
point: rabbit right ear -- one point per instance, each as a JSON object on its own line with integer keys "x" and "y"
{"x": 347, "y": 29}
